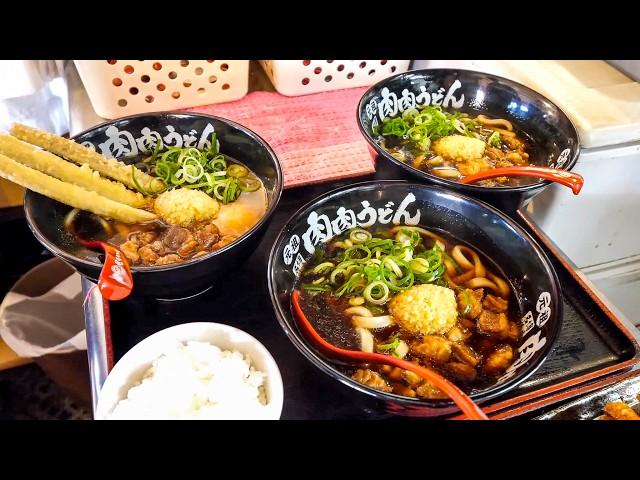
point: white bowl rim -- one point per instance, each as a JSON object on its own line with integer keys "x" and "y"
{"x": 120, "y": 373}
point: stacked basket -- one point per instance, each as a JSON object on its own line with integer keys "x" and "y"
{"x": 118, "y": 88}
{"x": 302, "y": 77}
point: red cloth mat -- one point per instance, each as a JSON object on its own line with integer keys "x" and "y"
{"x": 315, "y": 137}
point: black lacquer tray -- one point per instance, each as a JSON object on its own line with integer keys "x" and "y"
{"x": 594, "y": 348}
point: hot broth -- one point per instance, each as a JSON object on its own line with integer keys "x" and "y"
{"x": 415, "y": 294}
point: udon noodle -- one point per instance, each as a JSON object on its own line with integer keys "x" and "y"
{"x": 416, "y": 294}
{"x": 452, "y": 145}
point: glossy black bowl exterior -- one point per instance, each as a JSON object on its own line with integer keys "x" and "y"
{"x": 130, "y": 136}
{"x": 481, "y": 226}
{"x": 553, "y": 135}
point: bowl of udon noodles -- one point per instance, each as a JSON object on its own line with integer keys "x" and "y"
{"x": 196, "y": 194}
{"x": 421, "y": 273}
{"x": 441, "y": 125}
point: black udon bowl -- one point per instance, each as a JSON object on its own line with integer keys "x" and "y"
{"x": 45, "y": 216}
{"x": 554, "y": 137}
{"x": 477, "y": 224}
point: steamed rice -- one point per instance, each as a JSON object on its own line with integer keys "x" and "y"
{"x": 197, "y": 380}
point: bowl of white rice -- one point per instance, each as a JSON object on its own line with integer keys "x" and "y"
{"x": 194, "y": 371}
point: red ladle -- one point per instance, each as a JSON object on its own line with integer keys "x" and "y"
{"x": 569, "y": 179}
{"x": 115, "y": 281}
{"x": 461, "y": 399}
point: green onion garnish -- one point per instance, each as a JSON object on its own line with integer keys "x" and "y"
{"x": 206, "y": 170}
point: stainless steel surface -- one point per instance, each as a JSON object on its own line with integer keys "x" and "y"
{"x": 590, "y": 406}
{"x": 96, "y": 338}
{"x": 623, "y": 319}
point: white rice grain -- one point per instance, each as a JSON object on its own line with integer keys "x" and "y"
{"x": 196, "y": 380}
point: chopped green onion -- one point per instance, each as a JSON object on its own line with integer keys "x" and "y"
{"x": 323, "y": 267}
{"x": 352, "y": 253}
{"x": 409, "y": 115}
{"x": 390, "y": 346}
{"x": 249, "y": 184}
{"x": 419, "y": 265}
{"x": 376, "y": 293}
{"x": 494, "y": 140}
{"x": 203, "y": 170}
{"x": 237, "y": 171}
{"x": 358, "y": 235}
{"x": 313, "y": 289}
{"x": 395, "y": 126}
{"x": 467, "y": 299}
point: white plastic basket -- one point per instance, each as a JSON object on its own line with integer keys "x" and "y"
{"x": 124, "y": 87}
{"x": 302, "y": 77}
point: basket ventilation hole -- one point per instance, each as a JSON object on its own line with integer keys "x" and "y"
{"x": 122, "y": 102}
{"x": 213, "y": 79}
{"x": 328, "y": 78}
{"x": 383, "y": 62}
{"x": 161, "y": 87}
{"x": 329, "y": 61}
{"x": 317, "y": 70}
{"x": 340, "y": 67}
{"x": 210, "y": 61}
{"x": 184, "y": 63}
{"x": 226, "y": 86}
{"x": 372, "y": 71}
{"x": 393, "y": 69}
{"x": 306, "y": 62}
{"x": 201, "y": 91}
{"x": 363, "y": 64}
{"x": 172, "y": 75}
{"x": 199, "y": 71}
{"x": 224, "y": 67}
{"x": 128, "y": 69}
{"x": 148, "y": 98}
{"x": 145, "y": 78}
{"x": 112, "y": 62}
{"x": 157, "y": 66}
{"x": 175, "y": 95}
{"x": 350, "y": 75}
{"x": 133, "y": 91}
{"x": 187, "y": 83}
{"x": 116, "y": 82}
{"x": 305, "y": 81}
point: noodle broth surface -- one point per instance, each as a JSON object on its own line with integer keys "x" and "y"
{"x": 158, "y": 243}
{"x": 452, "y": 145}
{"x": 468, "y": 354}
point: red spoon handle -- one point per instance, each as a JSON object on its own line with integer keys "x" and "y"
{"x": 570, "y": 179}
{"x": 461, "y": 399}
{"x": 115, "y": 281}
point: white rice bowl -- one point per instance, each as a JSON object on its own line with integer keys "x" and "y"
{"x": 194, "y": 371}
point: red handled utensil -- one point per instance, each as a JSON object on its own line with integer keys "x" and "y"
{"x": 115, "y": 281}
{"x": 569, "y": 179}
{"x": 461, "y": 399}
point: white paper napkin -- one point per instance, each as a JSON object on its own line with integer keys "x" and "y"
{"x": 50, "y": 323}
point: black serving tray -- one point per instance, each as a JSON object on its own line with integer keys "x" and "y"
{"x": 590, "y": 407}
{"x": 593, "y": 343}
